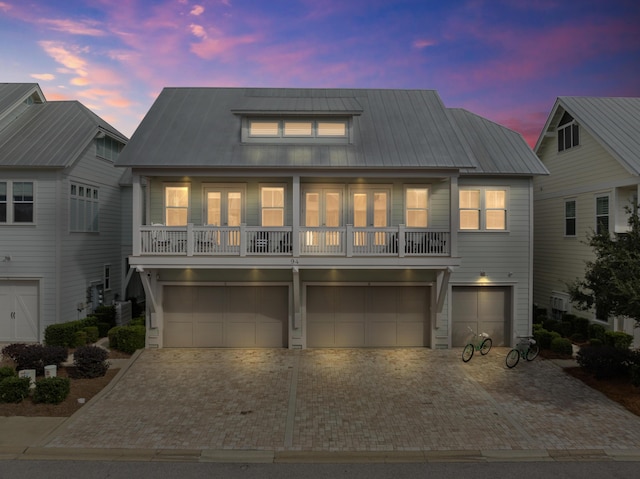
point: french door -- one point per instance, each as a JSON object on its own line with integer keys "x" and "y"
{"x": 370, "y": 210}
{"x": 323, "y": 210}
{"x": 224, "y": 207}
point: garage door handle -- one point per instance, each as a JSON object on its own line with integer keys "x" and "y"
{"x": 13, "y": 315}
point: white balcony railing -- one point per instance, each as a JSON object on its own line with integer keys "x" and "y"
{"x": 251, "y": 240}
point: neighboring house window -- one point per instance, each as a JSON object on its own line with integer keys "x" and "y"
{"x": 483, "y": 209}
{"x": 296, "y": 130}
{"x": 84, "y": 209}
{"x": 16, "y": 202}
{"x": 108, "y": 148}
{"x": 602, "y": 214}
{"x": 570, "y": 218}
{"x": 417, "y": 207}
{"x": 272, "y": 205}
{"x": 568, "y": 133}
{"x": 107, "y": 277}
{"x": 176, "y": 205}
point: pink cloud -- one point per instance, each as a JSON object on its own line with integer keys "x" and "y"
{"x": 197, "y": 10}
{"x": 84, "y": 27}
{"x": 61, "y": 54}
{"x": 43, "y": 76}
{"x": 423, "y": 43}
{"x": 221, "y": 47}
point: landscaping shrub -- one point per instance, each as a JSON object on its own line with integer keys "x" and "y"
{"x": 103, "y": 329}
{"x": 604, "y": 361}
{"x": 7, "y": 372}
{"x": 79, "y": 339}
{"x": 581, "y": 326}
{"x": 93, "y": 334}
{"x": 596, "y": 331}
{"x": 105, "y": 314}
{"x": 544, "y": 338}
{"x": 595, "y": 342}
{"x": 140, "y": 321}
{"x": 551, "y": 325}
{"x": 90, "y": 361}
{"x": 618, "y": 339}
{"x": 14, "y": 389}
{"x": 578, "y": 338}
{"x": 64, "y": 334}
{"x": 52, "y": 390}
{"x": 565, "y": 328}
{"x": 562, "y": 346}
{"x": 35, "y": 356}
{"x": 539, "y": 315}
{"x": 127, "y": 339}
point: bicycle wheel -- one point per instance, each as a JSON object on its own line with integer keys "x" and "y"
{"x": 533, "y": 351}
{"x": 512, "y": 358}
{"x": 485, "y": 347}
{"x": 467, "y": 352}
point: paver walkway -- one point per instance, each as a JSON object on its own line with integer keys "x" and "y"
{"x": 346, "y": 400}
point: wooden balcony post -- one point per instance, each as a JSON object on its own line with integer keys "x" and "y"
{"x": 190, "y": 239}
{"x": 349, "y": 241}
{"x": 243, "y": 239}
{"x": 401, "y": 240}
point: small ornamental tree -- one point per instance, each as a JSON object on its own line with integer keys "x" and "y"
{"x": 612, "y": 280}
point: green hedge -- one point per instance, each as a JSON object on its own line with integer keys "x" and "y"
{"x": 562, "y": 346}
{"x": 64, "y": 334}
{"x": 127, "y": 339}
{"x": 7, "y": 372}
{"x": 52, "y": 390}
{"x": 618, "y": 339}
{"x": 14, "y": 389}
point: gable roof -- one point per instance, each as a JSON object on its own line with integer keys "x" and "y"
{"x": 12, "y": 94}
{"x": 613, "y": 121}
{"x": 201, "y": 127}
{"x": 51, "y": 135}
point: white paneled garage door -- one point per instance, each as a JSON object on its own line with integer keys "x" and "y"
{"x": 367, "y": 316}
{"x": 226, "y": 316}
{"x": 18, "y": 311}
{"x": 482, "y": 308}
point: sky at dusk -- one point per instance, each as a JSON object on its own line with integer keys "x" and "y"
{"x": 506, "y": 60}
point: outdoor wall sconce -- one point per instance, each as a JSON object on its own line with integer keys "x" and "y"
{"x": 483, "y": 273}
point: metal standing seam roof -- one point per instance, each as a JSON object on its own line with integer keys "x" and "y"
{"x": 51, "y": 135}
{"x": 613, "y": 121}
{"x": 12, "y": 94}
{"x": 496, "y": 149}
{"x": 201, "y": 127}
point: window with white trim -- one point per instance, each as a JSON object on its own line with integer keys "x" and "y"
{"x": 292, "y": 130}
{"x": 176, "y": 205}
{"x": 107, "y": 277}
{"x": 17, "y": 204}
{"x": 272, "y": 205}
{"x": 570, "y": 217}
{"x": 602, "y": 214}
{"x": 108, "y": 148}
{"x": 417, "y": 207}
{"x": 483, "y": 209}
{"x": 84, "y": 208}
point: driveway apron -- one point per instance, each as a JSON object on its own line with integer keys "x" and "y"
{"x": 346, "y": 400}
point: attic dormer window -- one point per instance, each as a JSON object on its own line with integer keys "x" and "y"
{"x": 296, "y": 130}
{"x": 568, "y": 133}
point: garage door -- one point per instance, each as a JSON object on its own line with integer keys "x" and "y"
{"x": 484, "y": 309}
{"x": 367, "y": 316}
{"x": 226, "y": 316}
{"x": 18, "y": 311}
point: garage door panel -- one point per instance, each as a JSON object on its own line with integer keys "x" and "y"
{"x": 483, "y": 309}
{"x": 19, "y": 311}
{"x": 367, "y": 316}
{"x": 350, "y": 334}
{"x": 226, "y": 316}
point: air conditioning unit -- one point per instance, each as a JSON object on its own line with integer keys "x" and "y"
{"x": 560, "y": 302}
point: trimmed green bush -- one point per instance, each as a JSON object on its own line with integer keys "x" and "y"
{"x": 7, "y": 372}
{"x": 52, "y": 390}
{"x": 581, "y": 326}
{"x": 93, "y": 334}
{"x": 127, "y": 339}
{"x": 595, "y": 342}
{"x": 79, "y": 339}
{"x": 140, "y": 321}
{"x": 618, "y": 339}
{"x": 596, "y": 331}
{"x": 105, "y": 314}
{"x": 63, "y": 334}
{"x": 605, "y": 361}
{"x": 14, "y": 389}
{"x": 103, "y": 329}
{"x": 551, "y": 325}
{"x": 544, "y": 338}
{"x": 90, "y": 361}
{"x": 562, "y": 346}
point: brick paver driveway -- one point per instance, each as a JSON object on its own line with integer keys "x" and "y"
{"x": 346, "y": 400}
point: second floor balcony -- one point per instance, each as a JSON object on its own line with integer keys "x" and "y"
{"x": 347, "y": 241}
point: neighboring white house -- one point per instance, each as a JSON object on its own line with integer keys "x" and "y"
{"x": 60, "y": 217}
{"x": 329, "y": 218}
{"x": 591, "y": 146}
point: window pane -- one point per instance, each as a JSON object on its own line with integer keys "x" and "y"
{"x": 570, "y": 209}
{"x": 379, "y": 210}
{"x": 469, "y": 219}
{"x": 312, "y": 216}
{"x": 272, "y": 197}
{"x": 264, "y": 128}
{"x": 23, "y": 212}
{"x": 495, "y": 198}
{"x": 496, "y": 220}
{"x": 22, "y": 191}
{"x": 570, "y": 227}
{"x": 326, "y": 128}
{"x": 602, "y": 205}
{"x": 272, "y": 217}
{"x": 332, "y": 210}
{"x": 417, "y": 218}
{"x": 177, "y": 196}
{"x": 3, "y": 212}
{"x": 576, "y": 135}
{"x": 234, "y": 208}
{"x": 470, "y": 199}
{"x": 176, "y": 216}
{"x": 360, "y": 210}
{"x": 298, "y": 128}
{"x": 561, "y": 140}
{"x": 416, "y": 198}
{"x": 213, "y": 208}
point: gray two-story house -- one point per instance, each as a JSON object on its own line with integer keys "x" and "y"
{"x": 329, "y": 218}
{"x": 61, "y": 252}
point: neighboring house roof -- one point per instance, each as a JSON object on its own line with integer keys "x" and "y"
{"x": 51, "y": 135}
{"x": 496, "y": 149}
{"x": 201, "y": 127}
{"x": 613, "y": 121}
{"x": 12, "y": 94}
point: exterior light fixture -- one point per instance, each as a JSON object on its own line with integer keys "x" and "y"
{"x": 483, "y": 273}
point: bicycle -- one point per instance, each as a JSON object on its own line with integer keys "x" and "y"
{"x": 527, "y": 348}
{"x": 480, "y": 342}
